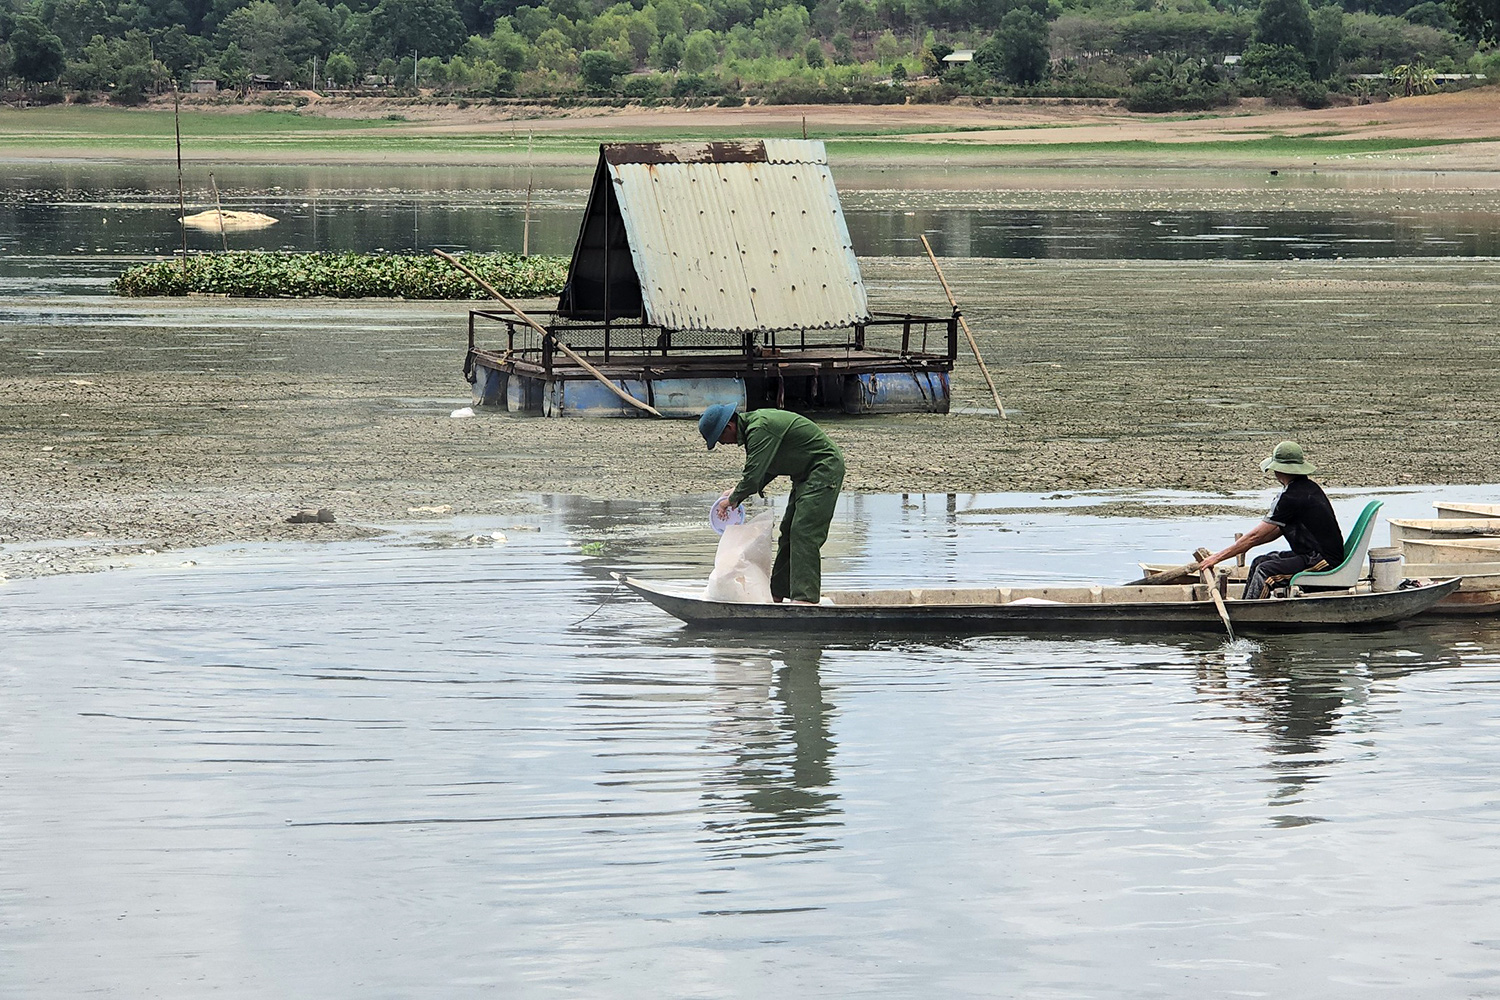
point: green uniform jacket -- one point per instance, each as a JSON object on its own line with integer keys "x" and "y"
{"x": 780, "y": 443}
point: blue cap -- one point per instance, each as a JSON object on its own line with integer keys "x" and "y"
{"x": 711, "y": 425}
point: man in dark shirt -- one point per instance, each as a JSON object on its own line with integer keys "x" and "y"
{"x": 779, "y": 443}
{"x": 1301, "y": 514}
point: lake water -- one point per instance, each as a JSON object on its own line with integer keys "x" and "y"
{"x": 444, "y": 764}
{"x": 73, "y": 227}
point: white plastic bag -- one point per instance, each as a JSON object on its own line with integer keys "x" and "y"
{"x": 742, "y": 566}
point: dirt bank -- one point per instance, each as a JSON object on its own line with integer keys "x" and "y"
{"x": 1086, "y": 134}
{"x": 172, "y": 424}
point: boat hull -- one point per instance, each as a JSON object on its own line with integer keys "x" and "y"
{"x": 1453, "y": 509}
{"x": 996, "y": 610}
{"x": 1417, "y": 529}
{"x": 1438, "y": 550}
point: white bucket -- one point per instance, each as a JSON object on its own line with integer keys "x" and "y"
{"x": 1385, "y": 568}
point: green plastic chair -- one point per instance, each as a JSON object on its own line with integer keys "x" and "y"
{"x": 1356, "y": 547}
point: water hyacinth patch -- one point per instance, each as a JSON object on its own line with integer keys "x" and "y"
{"x": 257, "y": 274}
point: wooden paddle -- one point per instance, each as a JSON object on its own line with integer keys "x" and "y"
{"x": 539, "y": 328}
{"x": 1185, "y": 573}
{"x": 1213, "y": 591}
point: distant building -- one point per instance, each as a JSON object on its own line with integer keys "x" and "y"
{"x": 376, "y": 80}
{"x": 205, "y": 86}
{"x": 959, "y": 56}
{"x": 1439, "y": 79}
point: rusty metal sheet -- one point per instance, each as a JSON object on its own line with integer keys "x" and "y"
{"x": 738, "y": 246}
{"x": 743, "y": 151}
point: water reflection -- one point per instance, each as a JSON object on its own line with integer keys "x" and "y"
{"x": 773, "y": 794}
{"x": 61, "y": 224}
{"x": 606, "y": 808}
{"x": 1307, "y": 694}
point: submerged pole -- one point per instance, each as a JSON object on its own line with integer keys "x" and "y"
{"x": 181, "y": 206}
{"x": 530, "y": 174}
{"x": 219, "y": 207}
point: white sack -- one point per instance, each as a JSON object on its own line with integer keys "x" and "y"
{"x": 742, "y": 566}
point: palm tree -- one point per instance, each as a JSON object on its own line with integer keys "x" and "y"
{"x": 1415, "y": 78}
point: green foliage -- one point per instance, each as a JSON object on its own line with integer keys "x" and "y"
{"x": 251, "y": 274}
{"x": 1414, "y": 78}
{"x": 1018, "y": 52}
{"x": 843, "y": 49}
{"x": 668, "y": 53}
{"x": 1434, "y": 15}
{"x": 827, "y": 50}
{"x": 699, "y": 53}
{"x": 1285, "y": 23}
{"x": 1274, "y": 67}
{"x": 1177, "y": 85}
{"x": 601, "y": 70}
{"x": 1327, "y": 40}
{"x": 36, "y": 50}
{"x": 400, "y": 27}
{"x": 340, "y": 69}
{"x": 1479, "y": 20}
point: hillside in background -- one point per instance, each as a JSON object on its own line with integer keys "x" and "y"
{"x": 1173, "y": 54}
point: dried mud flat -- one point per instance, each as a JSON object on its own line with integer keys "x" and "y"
{"x": 170, "y": 424}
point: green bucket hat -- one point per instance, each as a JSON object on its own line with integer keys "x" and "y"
{"x": 1288, "y": 458}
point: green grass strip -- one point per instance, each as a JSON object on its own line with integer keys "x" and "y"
{"x": 1270, "y": 145}
{"x": 255, "y": 274}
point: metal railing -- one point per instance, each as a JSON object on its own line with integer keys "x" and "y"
{"x": 893, "y": 335}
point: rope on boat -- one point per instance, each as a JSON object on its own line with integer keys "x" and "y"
{"x": 609, "y": 597}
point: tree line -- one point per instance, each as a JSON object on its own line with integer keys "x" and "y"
{"x": 1158, "y": 54}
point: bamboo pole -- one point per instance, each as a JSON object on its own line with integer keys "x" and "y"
{"x": 1218, "y": 599}
{"x": 539, "y": 328}
{"x": 530, "y": 176}
{"x": 219, "y": 207}
{"x": 181, "y": 207}
{"x": 973, "y": 345}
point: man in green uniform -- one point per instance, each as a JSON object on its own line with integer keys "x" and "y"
{"x": 779, "y": 443}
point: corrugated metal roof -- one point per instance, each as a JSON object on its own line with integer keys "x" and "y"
{"x": 737, "y": 236}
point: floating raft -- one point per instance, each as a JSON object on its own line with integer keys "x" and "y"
{"x": 714, "y": 272}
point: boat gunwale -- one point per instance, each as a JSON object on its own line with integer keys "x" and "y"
{"x": 1393, "y": 607}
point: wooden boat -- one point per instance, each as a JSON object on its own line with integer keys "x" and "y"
{"x": 1049, "y": 608}
{"x": 1455, "y": 509}
{"x": 1475, "y": 560}
{"x": 1445, "y": 550}
{"x": 1478, "y": 592}
{"x": 1403, "y": 528}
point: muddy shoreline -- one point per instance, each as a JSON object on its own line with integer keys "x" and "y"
{"x": 167, "y": 424}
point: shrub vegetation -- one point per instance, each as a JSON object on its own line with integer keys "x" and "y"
{"x": 771, "y": 50}
{"x": 252, "y": 274}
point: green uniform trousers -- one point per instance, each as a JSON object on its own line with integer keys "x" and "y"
{"x": 798, "y": 570}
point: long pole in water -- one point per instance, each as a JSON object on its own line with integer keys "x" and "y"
{"x": 219, "y": 207}
{"x": 539, "y": 328}
{"x": 1218, "y": 599}
{"x": 526, "y": 226}
{"x": 181, "y": 207}
{"x": 973, "y": 345}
